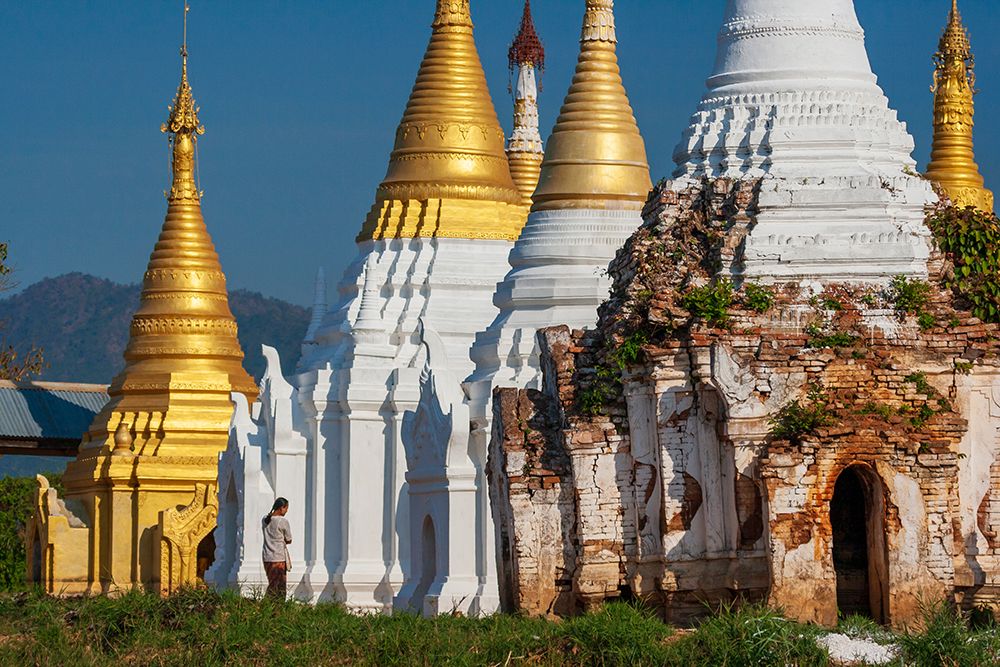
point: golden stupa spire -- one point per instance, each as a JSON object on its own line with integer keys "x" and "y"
{"x": 953, "y": 163}
{"x": 183, "y": 327}
{"x": 595, "y": 156}
{"x": 448, "y": 175}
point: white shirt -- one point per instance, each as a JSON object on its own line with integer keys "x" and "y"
{"x": 277, "y": 533}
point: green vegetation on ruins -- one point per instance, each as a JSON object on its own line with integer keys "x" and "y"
{"x": 801, "y": 418}
{"x": 206, "y": 628}
{"x": 971, "y": 240}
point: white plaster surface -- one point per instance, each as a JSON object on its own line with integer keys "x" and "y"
{"x": 793, "y": 98}
{"x": 347, "y": 404}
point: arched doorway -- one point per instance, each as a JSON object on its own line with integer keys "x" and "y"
{"x": 205, "y": 554}
{"x": 857, "y": 516}
{"x": 428, "y": 564}
{"x": 36, "y": 558}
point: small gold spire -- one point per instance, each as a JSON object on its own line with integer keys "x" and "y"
{"x": 953, "y": 164}
{"x": 448, "y": 175}
{"x": 595, "y": 157}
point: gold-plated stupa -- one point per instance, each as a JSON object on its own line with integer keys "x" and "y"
{"x": 448, "y": 175}
{"x": 140, "y": 497}
{"x": 953, "y": 163}
{"x": 595, "y": 157}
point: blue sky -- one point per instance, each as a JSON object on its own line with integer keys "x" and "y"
{"x": 301, "y": 98}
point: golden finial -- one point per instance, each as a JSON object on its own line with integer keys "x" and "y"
{"x": 448, "y": 175}
{"x": 452, "y": 13}
{"x": 184, "y": 128}
{"x": 595, "y": 156}
{"x": 599, "y": 22}
{"x": 183, "y": 112}
{"x": 953, "y": 165}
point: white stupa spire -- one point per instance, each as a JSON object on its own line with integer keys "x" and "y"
{"x": 318, "y": 308}
{"x": 793, "y": 99}
{"x": 793, "y": 91}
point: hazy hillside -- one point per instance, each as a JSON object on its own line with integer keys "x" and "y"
{"x": 82, "y": 323}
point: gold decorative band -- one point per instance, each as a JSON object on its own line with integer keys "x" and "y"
{"x": 599, "y": 22}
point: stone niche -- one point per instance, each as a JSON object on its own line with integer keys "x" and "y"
{"x": 812, "y": 445}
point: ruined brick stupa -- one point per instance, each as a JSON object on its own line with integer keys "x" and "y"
{"x": 781, "y": 400}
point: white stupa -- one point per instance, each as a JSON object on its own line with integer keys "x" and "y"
{"x": 593, "y": 185}
{"x": 793, "y": 98}
{"x": 429, "y": 256}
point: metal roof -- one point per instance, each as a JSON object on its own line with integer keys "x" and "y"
{"x": 47, "y": 411}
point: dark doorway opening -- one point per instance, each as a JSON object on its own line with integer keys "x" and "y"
{"x": 206, "y": 554}
{"x": 36, "y": 558}
{"x": 857, "y": 513}
{"x": 428, "y": 565}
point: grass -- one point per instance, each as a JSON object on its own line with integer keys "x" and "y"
{"x": 204, "y": 628}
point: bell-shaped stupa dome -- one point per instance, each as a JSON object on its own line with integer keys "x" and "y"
{"x": 792, "y": 93}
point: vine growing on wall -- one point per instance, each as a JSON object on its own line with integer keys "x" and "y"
{"x": 971, "y": 240}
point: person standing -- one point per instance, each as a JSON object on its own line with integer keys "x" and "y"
{"x": 277, "y": 537}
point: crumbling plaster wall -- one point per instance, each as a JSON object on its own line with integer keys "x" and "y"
{"x": 680, "y": 494}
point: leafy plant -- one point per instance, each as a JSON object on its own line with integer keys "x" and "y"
{"x": 881, "y": 409}
{"x": 971, "y": 239}
{"x": 926, "y": 321}
{"x": 801, "y": 418}
{"x": 758, "y": 298}
{"x": 603, "y": 387}
{"x": 869, "y": 299}
{"x": 919, "y": 380}
{"x": 963, "y": 367}
{"x": 820, "y": 338}
{"x": 826, "y": 302}
{"x": 909, "y": 295}
{"x": 630, "y": 350}
{"x": 711, "y": 302}
{"x": 923, "y": 415}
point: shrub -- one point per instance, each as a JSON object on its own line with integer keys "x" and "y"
{"x": 926, "y": 321}
{"x": 820, "y": 338}
{"x": 800, "y": 418}
{"x": 630, "y": 350}
{"x": 909, "y": 295}
{"x": 758, "y": 298}
{"x": 919, "y": 381}
{"x": 604, "y": 386}
{"x": 971, "y": 239}
{"x": 17, "y": 501}
{"x": 711, "y": 302}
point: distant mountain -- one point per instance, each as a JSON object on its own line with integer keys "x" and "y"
{"x": 82, "y": 323}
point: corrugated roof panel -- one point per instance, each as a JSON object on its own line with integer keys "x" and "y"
{"x": 48, "y": 410}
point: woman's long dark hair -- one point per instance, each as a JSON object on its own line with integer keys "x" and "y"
{"x": 278, "y": 504}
